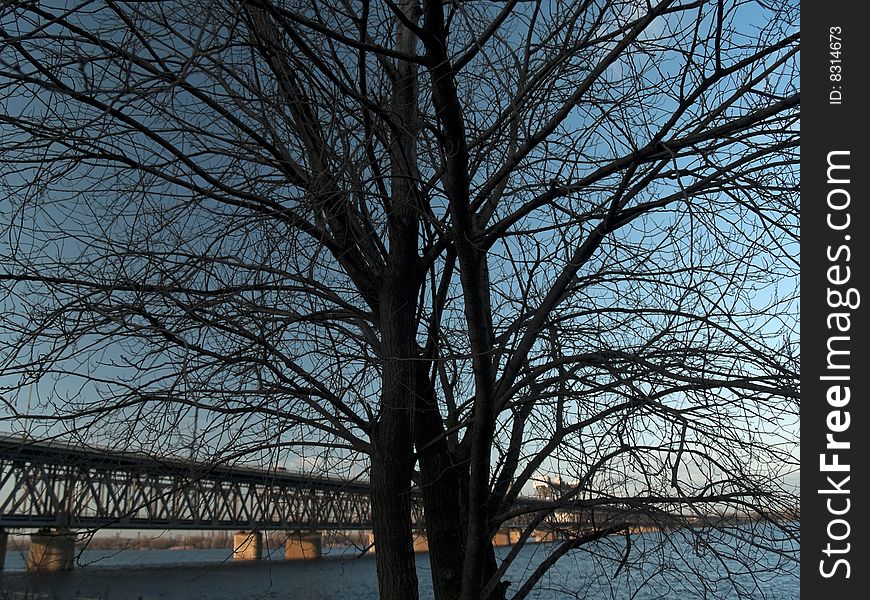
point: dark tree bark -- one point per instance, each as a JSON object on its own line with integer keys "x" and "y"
{"x": 443, "y": 476}
{"x": 393, "y": 459}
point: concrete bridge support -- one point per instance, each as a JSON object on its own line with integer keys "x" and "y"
{"x": 248, "y": 545}
{"x": 303, "y": 545}
{"x": 506, "y": 537}
{"x": 545, "y": 535}
{"x": 421, "y": 542}
{"x": 51, "y": 550}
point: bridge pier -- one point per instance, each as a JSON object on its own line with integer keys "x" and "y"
{"x": 506, "y": 537}
{"x": 51, "y": 550}
{"x": 546, "y": 535}
{"x": 420, "y": 542}
{"x": 303, "y": 545}
{"x": 248, "y": 545}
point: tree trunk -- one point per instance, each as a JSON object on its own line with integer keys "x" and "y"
{"x": 474, "y": 278}
{"x": 392, "y": 455}
{"x": 442, "y": 485}
{"x": 393, "y": 450}
{"x": 490, "y": 566}
{"x": 391, "y": 517}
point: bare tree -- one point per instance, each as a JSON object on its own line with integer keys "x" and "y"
{"x": 467, "y": 244}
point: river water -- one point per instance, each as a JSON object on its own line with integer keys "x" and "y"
{"x": 343, "y": 575}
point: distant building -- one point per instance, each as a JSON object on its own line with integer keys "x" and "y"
{"x": 550, "y": 490}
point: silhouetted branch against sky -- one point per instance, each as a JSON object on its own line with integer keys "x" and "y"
{"x": 461, "y": 245}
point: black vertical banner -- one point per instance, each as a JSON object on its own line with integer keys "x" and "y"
{"x": 835, "y": 225}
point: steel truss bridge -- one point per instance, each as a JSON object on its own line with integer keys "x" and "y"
{"x": 55, "y": 485}
{"x": 51, "y": 484}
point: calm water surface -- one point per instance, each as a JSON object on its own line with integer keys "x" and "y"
{"x": 209, "y": 575}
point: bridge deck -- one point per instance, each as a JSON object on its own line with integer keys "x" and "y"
{"x": 57, "y": 484}
{"x": 86, "y": 458}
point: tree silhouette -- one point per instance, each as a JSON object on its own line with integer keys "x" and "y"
{"x": 466, "y": 244}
